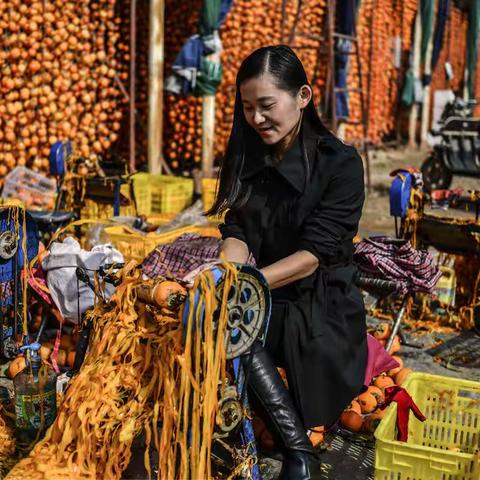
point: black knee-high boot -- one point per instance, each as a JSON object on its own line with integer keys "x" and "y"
{"x": 267, "y": 385}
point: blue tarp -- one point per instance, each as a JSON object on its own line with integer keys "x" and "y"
{"x": 346, "y": 16}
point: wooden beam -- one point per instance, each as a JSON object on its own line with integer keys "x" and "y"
{"x": 412, "y": 124}
{"x": 208, "y": 135}
{"x": 132, "y": 107}
{"x": 208, "y": 129}
{"x": 155, "y": 86}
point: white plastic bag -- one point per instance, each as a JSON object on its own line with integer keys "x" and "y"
{"x": 72, "y": 296}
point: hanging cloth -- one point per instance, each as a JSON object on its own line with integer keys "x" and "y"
{"x": 472, "y": 47}
{"x": 427, "y": 9}
{"x": 440, "y": 28}
{"x": 346, "y": 13}
{"x": 192, "y": 72}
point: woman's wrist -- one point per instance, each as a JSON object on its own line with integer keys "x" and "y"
{"x": 299, "y": 265}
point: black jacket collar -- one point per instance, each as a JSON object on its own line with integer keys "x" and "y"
{"x": 291, "y": 167}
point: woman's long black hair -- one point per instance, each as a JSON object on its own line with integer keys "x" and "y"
{"x": 282, "y": 63}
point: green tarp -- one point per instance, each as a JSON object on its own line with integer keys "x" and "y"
{"x": 209, "y": 17}
{"x": 427, "y": 11}
{"x": 209, "y": 78}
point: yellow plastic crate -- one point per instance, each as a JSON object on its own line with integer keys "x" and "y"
{"x": 161, "y": 193}
{"x": 446, "y": 445}
{"x": 92, "y": 210}
{"x": 135, "y": 246}
{"x": 209, "y": 190}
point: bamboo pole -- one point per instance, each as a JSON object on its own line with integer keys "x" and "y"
{"x": 155, "y": 84}
{"x": 208, "y": 129}
{"x": 427, "y": 90}
{"x": 132, "y": 106}
{"x": 208, "y": 135}
{"x": 412, "y": 125}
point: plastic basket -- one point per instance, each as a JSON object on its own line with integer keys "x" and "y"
{"x": 36, "y": 191}
{"x": 209, "y": 190}
{"x": 446, "y": 445}
{"x": 93, "y": 210}
{"x": 135, "y": 246}
{"x": 161, "y": 193}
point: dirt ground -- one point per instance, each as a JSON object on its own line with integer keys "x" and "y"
{"x": 376, "y": 219}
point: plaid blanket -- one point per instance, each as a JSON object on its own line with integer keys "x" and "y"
{"x": 177, "y": 259}
{"x": 391, "y": 259}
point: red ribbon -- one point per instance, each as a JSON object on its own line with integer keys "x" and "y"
{"x": 405, "y": 403}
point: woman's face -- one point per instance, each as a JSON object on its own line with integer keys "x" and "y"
{"x": 271, "y": 112}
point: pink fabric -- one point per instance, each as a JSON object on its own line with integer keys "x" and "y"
{"x": 378, "y": 361}
{"x": 39, "y": 275}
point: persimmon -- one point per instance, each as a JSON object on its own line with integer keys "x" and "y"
{"x": 395, "y": 345}
{"x": 61, "y": 357}
{"x": 355, "y": 406}
{"x": 66, "y": 342}
{"x": 258, "y": 426}
{"x": 367, "y": 402}
{"x": 383, "y": 381}
{"x": 382, "y": 331}
{"x": 266, "y": 440}
{"x": 16, "y": 366}
{"x": 169, "y": 294}
{"x": 371, "y": 423}
{"x": 351, "y": 420}
{"x": 402, "y": 375}
{"x": 392, "y": 372}
{"x": 45, "y": 352}
{"x": 317, "y": 435}
{"x": 71, "y": 358}
{"x": 377, "y": 393}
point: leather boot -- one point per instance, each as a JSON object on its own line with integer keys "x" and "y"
{"x": 264, "y": 380}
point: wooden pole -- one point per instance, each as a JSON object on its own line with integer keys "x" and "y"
{"x": 427, "y": 90}
{"x": 208, "y": 135}
{"x": 155, "y": 84}
{"x": 132, "y": 106}
{"x": 412, "y": 125}
{"x": 208, "y": 129}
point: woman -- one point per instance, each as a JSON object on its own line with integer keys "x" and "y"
{"x": 294, "y": 195}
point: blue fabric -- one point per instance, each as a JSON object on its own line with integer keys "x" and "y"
{"x": 7, "y": 267}
{"x": 341, "y": 74}
{"x": 225, "y": 7}
{"x": 188, "y": 63}
{"x": 345, "y": 16}
{"x": 190, "y": 55}
{"x": 345, "y": 24}
{"x": 442, "y": 17}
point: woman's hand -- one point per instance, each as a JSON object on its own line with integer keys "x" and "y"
{"x": 235, "y": 250}
{"x": 299, "y": 265}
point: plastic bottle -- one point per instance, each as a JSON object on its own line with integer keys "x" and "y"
{"x": 35, "y": 395}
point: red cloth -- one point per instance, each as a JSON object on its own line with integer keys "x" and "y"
{"x": 405, "y": 403}
{"x": 378, "y": 360}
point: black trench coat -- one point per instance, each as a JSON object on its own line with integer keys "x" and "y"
{"x": 317, "y": 330}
